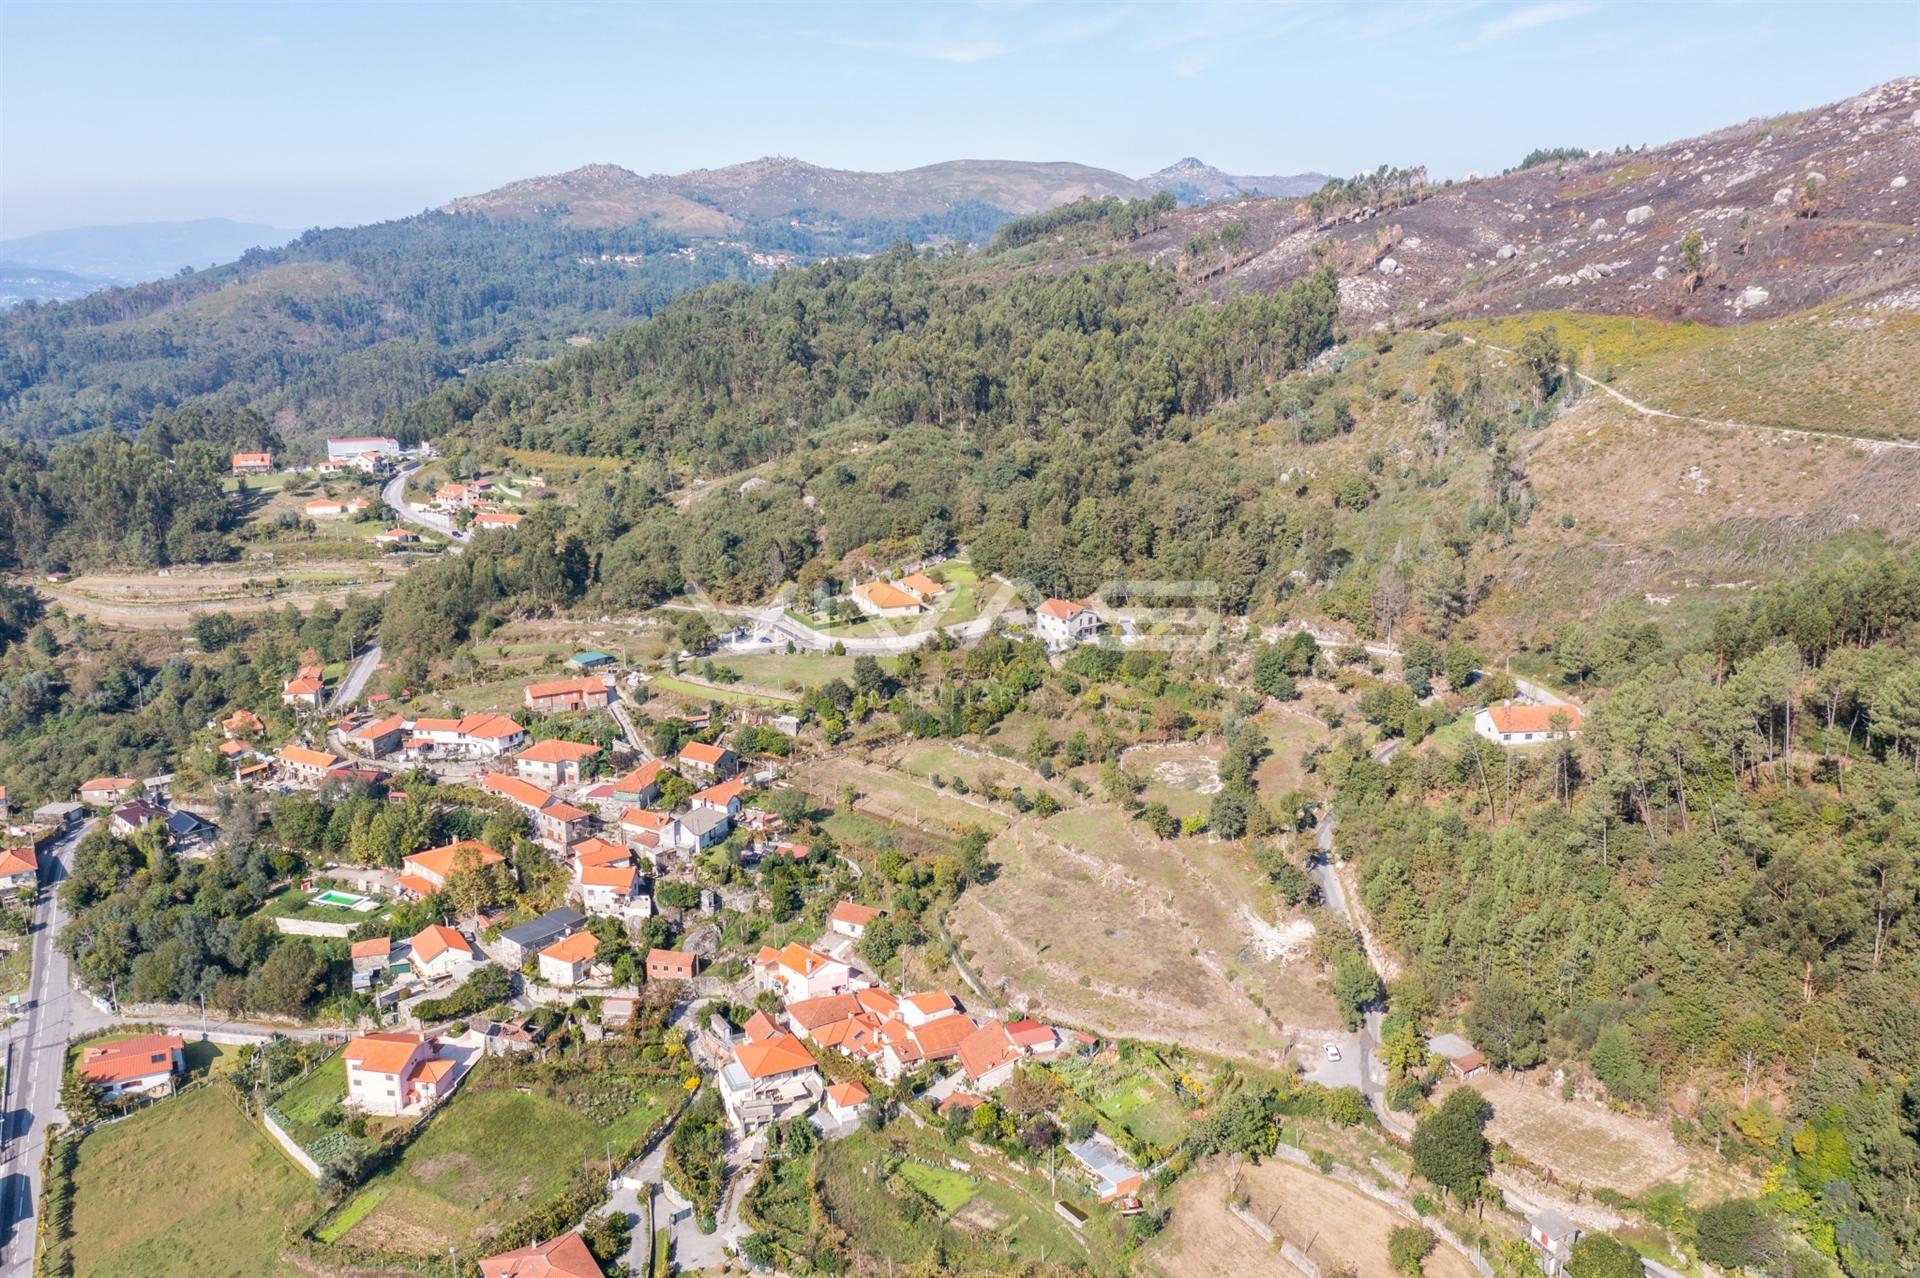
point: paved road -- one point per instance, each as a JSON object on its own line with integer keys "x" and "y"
{"x": 394, "y": 493}
{"x": 624, "y": 718}
{"x": 1358, "y": 1064}
{"x": 54, "y": 1012}
{"x": 355, "y": 683}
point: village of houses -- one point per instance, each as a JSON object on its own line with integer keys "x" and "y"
{"x": 824, "y": 1031}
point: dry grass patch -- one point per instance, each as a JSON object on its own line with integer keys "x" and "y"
{"x": 1334, "y": 1223}
{"x": 1583, "y": 1143}
{"x": 1092, "y": 920}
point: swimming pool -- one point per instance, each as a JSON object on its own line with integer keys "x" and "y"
{"x": 345, "y": 900}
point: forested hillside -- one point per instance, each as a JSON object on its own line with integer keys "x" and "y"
{"x": 1710, "y": 903}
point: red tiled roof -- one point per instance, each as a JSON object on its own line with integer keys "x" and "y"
{"x": 1512, "y": 718}
{"x": 380, "y": 728}
{"x": 383, "y": 1053}
{"x": 441, "y": 860}
{"x": 557, "y": 751}
{"x": 563, "y": 1257}
{"x": 853, "y": 915}
{"x": 781, "y": 1053}
{"x": 677, "y": 964}
{"x": 721, "y": 795}
{"x": 433, "y": 940}
{"x": 577, "y": 948}
{"x": 641, "y": 779}
{"x": 20, "y": 860}
{"x": 847, "y": 1095}
{"x": 301, "y": 757}
{"x": 1063, "y": 609}
{"x": 131, "y": 1058}
{"x": 882, "y": 595}
{"x": 567, "y": 687}
{"x": 986, "y": 1049}
{"x": 701, "y": 752}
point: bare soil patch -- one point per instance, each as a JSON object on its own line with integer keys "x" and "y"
{"x": 1585, "y": 1144}
{"x": 1333, "y": 1223}
{"x": 1089, "y": 919}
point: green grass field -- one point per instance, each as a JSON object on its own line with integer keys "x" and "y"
{"x": 725, "y": 696}
{"x": 949, "y": 1190}
{"x": 185, "y": 1187}
{"x": 492, "y": 1154}
{"x": 301, "y": 1107}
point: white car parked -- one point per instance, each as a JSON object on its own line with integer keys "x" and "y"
{"x": 1333, "y": 1051}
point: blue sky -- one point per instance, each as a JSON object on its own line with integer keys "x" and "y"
{"x": 304, "y": 115}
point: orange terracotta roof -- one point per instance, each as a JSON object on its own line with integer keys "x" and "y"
{"x": 721, "y": 795}
{"x": 304, "y": 686}
{"x": 675, "y": 961}
{"x": 231, "y": 748}
{"x": 384, "y": 1053}
{"x": 524, "y": 793}
{"x": 415, "y": 884}
{"x": 441, "y": 860}
{"x": 108, "y": 783}
{"x": 943, "y": 1035}
{"x": 243, "y": 721}
{"x": 700, "y": 752}
{"x": 987, "y": 1049}
{"x": 559, "y": 811}
{"x": 641, "y": 779}
{"x": 780, "y": 1054}
{"x": 795, "y": 957}
{"x": 496, "y": 519}
{"x": 847, "y": 1095}
{"x": 300, "y": 757}
{"x": 557, "y": 751}
{"x": 563, "y": 1257}
{"x": 434, "y": 1070}
{"x": 932, "y": 1002}
{"x": 1063, "y": 609}
{"x": 599, "y": 852}
{"x": 921, "y": 584}
{"x": 566, "y": 687}
{"x": 130, "y": 1058}
{"x": 433, "y": 940}
{"x": 613, "y": 876}
{"x": 1512, "y": 718}
{"x": 853, "y": 915}
{"x": 854, "y": 1035}
{"x": 645, "y": 819}
{"x": 882, "y": 595}
{"x": 379, "y": 946}
{"x": 577, "y": 948}
{"x": 759, "y": 1028}
{"x": 252, "y": 459}
{"x": 21, "y": 860}
{"x": 379, "y": 728}
{"x": 488, "y": 727}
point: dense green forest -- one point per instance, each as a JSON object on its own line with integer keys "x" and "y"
{"x": 1027, "y": 416}
{"x": 1710, "y": 902}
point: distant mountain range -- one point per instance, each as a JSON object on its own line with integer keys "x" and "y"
{"x": 58, "y": 265}
{"x": 719, "y": 201}
{"x": 1196, "y": 182}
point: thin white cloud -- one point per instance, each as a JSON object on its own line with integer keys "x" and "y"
{"x": 933, "y": 48}
{"x": 1530, "y": 18}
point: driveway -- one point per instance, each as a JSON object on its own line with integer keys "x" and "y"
{"x": 1359, "y": 1064}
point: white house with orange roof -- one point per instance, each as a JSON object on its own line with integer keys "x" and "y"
{"x": 563, "y": 1257}
{"x": 846, "y": 1102}
{"x": 556, "y": 823}
{"x": 251, "y": 463}
{"x": 797, "y": 972}
{"x": 769, "y": 1078}
{"x": 728, "y": 797}
{"x": 554, "y": 762}
{"x": 379, "y": 737}
{"x": 19, "y": 868}
{"x": 884, "y": 599}
{"x": 568, "y": 960}
{"x": 906, "y": 1045}
{"x": 587, "y": 692}
{"x": 479, "y": 736}
{"x": 697, "y": 758}
{"x": 303, "y": 692}
{"x": 1508, "y": 724}
{"x": 436, "y": 950}
{"x": 308, "y": 767}
{"x": 145, "y": 1065}
{"x": 105, "y": 792}
{"x": 1065, "y": 623}
{"x": 430, "y": 870}
{"x": 922, "y": 587}
{"x": 640, "y": 787}
{"x": 394, "y": 1074}
{"x": 848, "y": 1021}
{"x": 849, "y": 919}
{"x": 988, "y": 1055}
